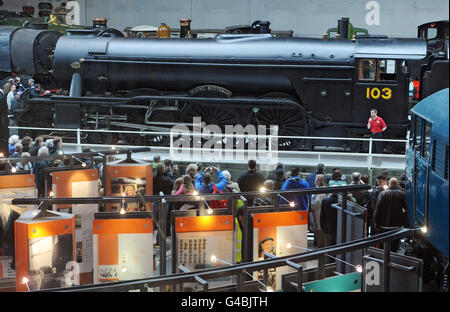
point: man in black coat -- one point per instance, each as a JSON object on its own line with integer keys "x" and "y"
{"x": 272, "y": 175}
{"x": 251, "y": 181}
{"x": 382, "y": 184}
{"x": 390, "y": 211}
{"x": 363, "y": 196}
{"x": 161, "y": 182}
{"x": 328, "y": 218}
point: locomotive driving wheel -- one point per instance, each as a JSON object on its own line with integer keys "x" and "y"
{"x": 290, "y": 119}
{"x": 141, "y": 117}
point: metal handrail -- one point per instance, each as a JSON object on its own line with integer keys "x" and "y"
{"x": 168, "y": 133}
{"x": 190, "y": 198}
{"x": 240, "y": 269}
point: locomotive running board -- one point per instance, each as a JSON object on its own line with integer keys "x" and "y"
{"x": 236, "y": 101}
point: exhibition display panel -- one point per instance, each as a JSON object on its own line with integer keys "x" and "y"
{"x": 123, "y": 246}
{"x": 279, "y": 234}
{"x": 129, "y": 179}
{"x": 79, "y": 183}
{"x": 204, "y": 242}
{"x": 12, "y": 186}
{"x": 44, "y": 250}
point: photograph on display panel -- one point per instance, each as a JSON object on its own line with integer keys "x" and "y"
{"x": 124, "y": 256}
{"x": 10, "y": 213}
{"x": 128, "y": 187}
{"x": 49, "y": 260}
{"x": 202, "y": 250}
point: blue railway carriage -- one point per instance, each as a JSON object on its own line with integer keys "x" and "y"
{"x": 427, "y": 173}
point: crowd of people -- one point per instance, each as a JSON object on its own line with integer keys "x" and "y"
{"x": 27, "y": 147}
{"x": 385, "y": 203}
{"x": 13, "y": 89}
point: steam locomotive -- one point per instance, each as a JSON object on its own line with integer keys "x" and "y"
{"x": 305, "y": 86}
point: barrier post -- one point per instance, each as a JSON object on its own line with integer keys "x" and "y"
{"x": 386, "y": 265}
{"x": 162, "y": 237}
{"x": 79, "y": 150}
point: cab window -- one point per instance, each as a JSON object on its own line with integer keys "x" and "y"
{"x": 417, "y": 132}
{"x": 431, "y": 33}
{"x": 427, "y": 140}
{"x": 367, "y": 69}
{"x": 386, "y": 70}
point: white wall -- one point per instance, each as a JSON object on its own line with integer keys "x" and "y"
{"x": 305, "y": 17}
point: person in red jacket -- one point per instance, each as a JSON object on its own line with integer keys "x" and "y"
{"x": 377, "y": 126}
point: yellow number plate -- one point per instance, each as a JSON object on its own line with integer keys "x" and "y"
{"x": 376, "y": 93}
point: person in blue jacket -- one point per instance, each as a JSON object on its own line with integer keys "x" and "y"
{"x": 204, "y": 184}
{"x": 293, "y": 183}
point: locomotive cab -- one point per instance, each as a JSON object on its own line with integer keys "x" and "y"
{"x": 382, "y": 83}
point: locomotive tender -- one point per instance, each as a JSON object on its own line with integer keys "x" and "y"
{"x": 306, "y": 86}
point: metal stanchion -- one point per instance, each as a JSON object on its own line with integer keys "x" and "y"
{"x": 386, "y": 265}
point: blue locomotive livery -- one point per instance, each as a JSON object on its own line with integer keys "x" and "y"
{"x": 427, "y": 173}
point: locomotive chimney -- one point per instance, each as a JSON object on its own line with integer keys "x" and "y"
{"x": 343, "y": 27}
{"x": 99, "y": 22}
{"x": 185, "y": 25}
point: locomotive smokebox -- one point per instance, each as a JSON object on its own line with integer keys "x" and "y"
{"x": 343, "y": 27}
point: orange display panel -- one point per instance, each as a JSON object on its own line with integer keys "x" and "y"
{"x": 204, "y": 242}
{"x": 79, "y": 183}
{"x": 19, "y": 180}
{"x": 262, "y": 220}
{"x": 45, "y": 251}
{"x": 123, "y": 226}
{"x": 203, "y": 223}
{"x": 63, "y": 183}
{"x": 123, "y": 249}
{"x": 280, "y": 234}
{"x": 129, "y": 180}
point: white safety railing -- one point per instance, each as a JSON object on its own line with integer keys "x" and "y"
{"x": 369, "y": 159}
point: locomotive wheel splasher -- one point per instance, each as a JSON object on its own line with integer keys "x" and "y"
{"x": 291, "y": 121}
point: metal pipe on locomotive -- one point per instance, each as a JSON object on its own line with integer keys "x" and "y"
{"x": 306, "y": 86}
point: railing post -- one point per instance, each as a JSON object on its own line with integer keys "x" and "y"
{"x": 240, "y": 280}
{"x": 386, "y": 266}
{"x": 369, "y": 157}
{"x": 343, "y": 231}
{"x": 162, "y": 237}
{"x": 299, "y": 269}
{"x": 276, "y": 203}
{"x": 79, "y": 149}
{"x": 321, "y": 266}
{"x": 233, "y": 212}
{"x": 245, "y": 234}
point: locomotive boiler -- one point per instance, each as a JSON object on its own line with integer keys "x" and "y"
{"x": 306, "y": 86}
